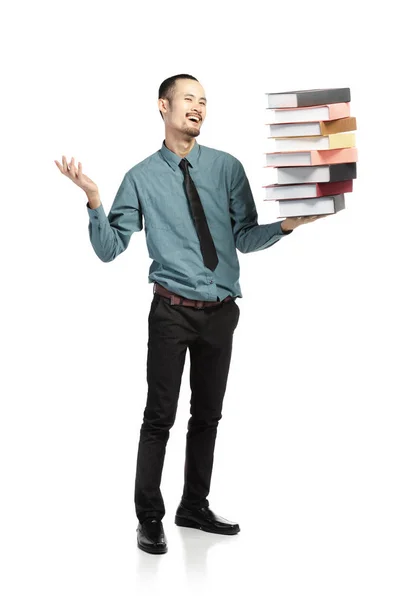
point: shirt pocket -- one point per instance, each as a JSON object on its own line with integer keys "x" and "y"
{"x": 166, "y": 212}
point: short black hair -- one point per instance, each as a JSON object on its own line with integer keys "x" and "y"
{"x": 167, "y": 88}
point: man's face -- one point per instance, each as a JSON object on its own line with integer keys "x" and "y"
{"x": 188, "y": 102}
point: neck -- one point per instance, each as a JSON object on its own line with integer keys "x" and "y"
{"x": 179, "y": 146}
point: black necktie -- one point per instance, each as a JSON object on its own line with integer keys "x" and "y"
{"x": 200, "y": 222}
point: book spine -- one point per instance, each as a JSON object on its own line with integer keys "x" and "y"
{"x": 337, "y": 111}
{"x": 338, "y": 125}
{"x": 329, "y": 96}
{"x": 334, "y": 187}
{"x": 342, "y": 171}
{"x": 339, "y": 155}
{"x": 324, "y": 205}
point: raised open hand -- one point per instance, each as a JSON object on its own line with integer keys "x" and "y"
{"x": 75, "y": 174}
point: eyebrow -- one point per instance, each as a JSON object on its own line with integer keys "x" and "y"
{"x": 192, "y": 95}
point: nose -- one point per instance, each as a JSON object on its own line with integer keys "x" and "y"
{"x": 198, "y": 107}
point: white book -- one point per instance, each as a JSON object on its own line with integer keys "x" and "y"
{"x": 324, "y": 205}
{"x": 293, "y": 129}
{"x": 288, "y": 159}
{"x": 281, "y": 192}
{"x": 302, "y": 174}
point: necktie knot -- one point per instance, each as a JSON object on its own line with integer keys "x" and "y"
{"x": 184, "y": 165}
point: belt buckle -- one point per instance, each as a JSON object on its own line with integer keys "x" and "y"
{"x": 201, "y": 302}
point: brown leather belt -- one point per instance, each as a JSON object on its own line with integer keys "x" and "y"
{"x": 176, "y": 299}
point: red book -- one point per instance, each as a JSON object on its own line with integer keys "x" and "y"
{"x": 307, "y": 190}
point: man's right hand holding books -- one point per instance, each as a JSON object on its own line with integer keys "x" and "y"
{"x": 291, "y": 223}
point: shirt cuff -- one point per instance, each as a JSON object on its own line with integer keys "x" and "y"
{"x": 96, "y": 214}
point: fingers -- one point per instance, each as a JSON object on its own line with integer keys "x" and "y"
{"x": 306, "y": 219}
{"x": 66, "y": 166}
{"x": 315, "y": 217}
{"x": 70, "y": 170}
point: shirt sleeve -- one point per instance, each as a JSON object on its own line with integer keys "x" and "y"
{"x": 110, "y": 235}
{"x": 249, "y": 235}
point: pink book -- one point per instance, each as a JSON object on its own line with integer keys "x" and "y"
{"x": 311, "y": 157}
{"x": 304, "y": 114}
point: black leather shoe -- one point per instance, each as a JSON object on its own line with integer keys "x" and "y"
{"x": 204, "y": 519}
{"x": 151, "y": 537}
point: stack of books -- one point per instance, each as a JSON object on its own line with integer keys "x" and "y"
{"x": 314, "y": 157}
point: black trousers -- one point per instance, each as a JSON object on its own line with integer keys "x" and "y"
{"x": 208, "y": 333}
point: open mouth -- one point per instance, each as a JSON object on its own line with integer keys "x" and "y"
{"x": 194, "y": 119}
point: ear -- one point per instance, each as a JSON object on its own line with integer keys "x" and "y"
{"x": 162, "y": 105}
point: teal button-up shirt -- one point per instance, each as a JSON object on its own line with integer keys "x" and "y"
{"x": 154, "y": 189}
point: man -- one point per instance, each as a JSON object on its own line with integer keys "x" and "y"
{"x": 197, "y": 212}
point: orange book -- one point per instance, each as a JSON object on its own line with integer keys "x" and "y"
{"x": 312, "y": 128}
{"x": 311, "y": 157}
{"x": 338, "y": 126}
{"x": 324, "y": 112}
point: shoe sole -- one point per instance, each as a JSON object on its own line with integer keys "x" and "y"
{"x": 161, "y": 550}
{"x": 182, "y": 522}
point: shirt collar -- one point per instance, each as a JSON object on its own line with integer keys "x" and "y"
{"x": 173, "y": 159}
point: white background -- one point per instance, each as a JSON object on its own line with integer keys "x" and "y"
{"x": 307, "y": 453}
